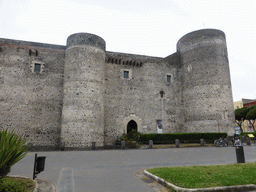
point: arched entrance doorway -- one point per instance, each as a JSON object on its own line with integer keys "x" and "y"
{"x": 132, "y": 125}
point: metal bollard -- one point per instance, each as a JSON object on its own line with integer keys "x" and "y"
{"x": 93, "y": 145}
{"x": 62, "y": 146}
{"x": 243, "y": 139}
{"x": 202, "y": 142}
{"x": 249, "y": 141}
{"x": 122, "y": 145}
{"x": 177, "y": 143}
{"x": 240, "y": 154}
{"x": 150, "y": 144}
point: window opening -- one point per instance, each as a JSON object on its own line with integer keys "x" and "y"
{"x": 37, "y": 67}
{"x": 33, "y": 53}
{"x": 162, "y": 94}
{"x": 126, "y": 74}
{"x": 168, "y": 78}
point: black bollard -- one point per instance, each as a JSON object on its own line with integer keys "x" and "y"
{"x": 240, "y": 154}
{"x": 93, "y": 145}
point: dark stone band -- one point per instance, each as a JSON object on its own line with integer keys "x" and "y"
{"x": 200, "y": 33}
{"x": 86, "y": 39}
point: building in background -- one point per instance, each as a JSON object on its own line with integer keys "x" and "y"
{"x": 246, "y": 126}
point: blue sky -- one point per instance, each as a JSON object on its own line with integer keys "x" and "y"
{"x": 143, "y": 27}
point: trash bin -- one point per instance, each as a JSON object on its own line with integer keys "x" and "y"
{"x": 40, "y": 164}
{"x": 240, "y": 154}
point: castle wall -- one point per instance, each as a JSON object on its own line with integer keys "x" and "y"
{"x": 31, "y": 102}
{"x": 83, "y": 101}
{"x": 79, "y": 93}
{"x": 206, "y": 82}
{"x": 138, "y": 97}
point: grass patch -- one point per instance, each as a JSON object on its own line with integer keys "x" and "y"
{"x": 17, "y": 184}
{"x": 208, "y": 176}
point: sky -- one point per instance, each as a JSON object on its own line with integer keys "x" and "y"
{"x": 144, "y": 27}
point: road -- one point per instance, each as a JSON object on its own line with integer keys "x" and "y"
{"x": 112, "y": 170}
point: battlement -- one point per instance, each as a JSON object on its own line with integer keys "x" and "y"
{"x": 130, "y": 59}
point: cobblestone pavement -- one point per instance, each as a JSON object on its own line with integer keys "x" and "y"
{"x": 113, "y": 170}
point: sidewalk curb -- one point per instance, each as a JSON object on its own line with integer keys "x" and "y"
{"x": 237, "y": 188}
{"x": 38, "y": 184}
{"x": 42, "y": 188}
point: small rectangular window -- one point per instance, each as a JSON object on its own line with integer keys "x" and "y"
{"x": 168, "y": 78}
{"x": 126, "y": 74}
{"x": 37, "y": 67}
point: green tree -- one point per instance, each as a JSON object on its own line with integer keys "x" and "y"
{"x": 12, "y": 149}
{"x": 251, "y": 116}
{"x": 240, "y": 116}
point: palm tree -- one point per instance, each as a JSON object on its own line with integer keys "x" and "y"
{"x": 12, "y": 149}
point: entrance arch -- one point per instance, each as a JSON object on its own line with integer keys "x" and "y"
{"x": 136, "y": 119}
{"x": 132, "y": 125}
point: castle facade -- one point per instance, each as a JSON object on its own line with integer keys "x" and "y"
{"x": 80, "y": 93}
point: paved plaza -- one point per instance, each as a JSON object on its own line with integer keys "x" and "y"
{"x": 113, "y": 170}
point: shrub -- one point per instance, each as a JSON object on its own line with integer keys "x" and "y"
{"x": 188, "y": 137}
{"x": 132, "y": 135}
{"x": 130, "y": 138}
{"x": 12, "y": 150}
{"x": 15, "y": 184}
{"x": 246, "y": 134}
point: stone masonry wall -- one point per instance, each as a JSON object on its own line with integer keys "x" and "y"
{"x": 83, "y": 102}
{"x": 83, "y": 94}
{"x": 206, "y": 82}
{"x": 31, "y": 102}
{"x": 138, "y": 97}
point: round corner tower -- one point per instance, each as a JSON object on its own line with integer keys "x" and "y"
{"x": 207, "y": 95}
{"x": 83, "y": 101}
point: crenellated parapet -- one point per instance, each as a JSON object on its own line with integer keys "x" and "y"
{"x": 121, "y": 61}
{"x": 130, "y": 59}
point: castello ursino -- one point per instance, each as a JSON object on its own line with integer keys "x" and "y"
{"x": 80, "y": 93}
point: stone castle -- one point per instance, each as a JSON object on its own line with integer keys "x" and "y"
{"x": 80, "y": 93}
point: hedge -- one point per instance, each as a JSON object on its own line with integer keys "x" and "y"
{"x": 168, "y": 137}
{"x": 246, "y": 133}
